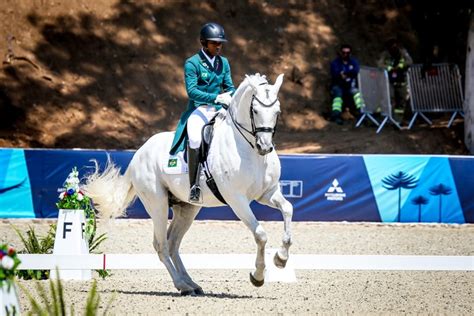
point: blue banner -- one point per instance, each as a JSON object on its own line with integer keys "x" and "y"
{"x": 375, "y": 188}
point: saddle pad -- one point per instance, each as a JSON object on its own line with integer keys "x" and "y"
{"x": 176, "y": 164}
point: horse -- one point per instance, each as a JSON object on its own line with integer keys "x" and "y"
{"x": 241, "y": 159}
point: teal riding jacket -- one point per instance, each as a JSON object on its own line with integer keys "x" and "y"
{"x": 204, "y": 83}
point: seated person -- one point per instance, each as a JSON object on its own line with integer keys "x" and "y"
{"x": 344, "y": 71}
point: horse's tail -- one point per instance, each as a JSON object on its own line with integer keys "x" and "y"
{"x": 110, "y": 192}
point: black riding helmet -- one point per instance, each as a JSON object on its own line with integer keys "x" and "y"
{"x": 212, "y": 32}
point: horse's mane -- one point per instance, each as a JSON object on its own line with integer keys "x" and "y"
{"x": 256, "y": 79}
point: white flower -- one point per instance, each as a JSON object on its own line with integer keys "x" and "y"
{"x": 80, "y": 197}
{"x": 7, "y": 262}
{"x": 61, "y": 196}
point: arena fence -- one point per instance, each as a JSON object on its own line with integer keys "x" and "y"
{"x": 375, "y": 89}
{"x": 435, "y": 88}
{"x": 247, "y": 261}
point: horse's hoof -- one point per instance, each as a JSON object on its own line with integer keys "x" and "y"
{"x": 279, "y": 262}
{"x": 255, "y": 282}
{"x": 198, "y": 291}
{"x": 187, "y": 293}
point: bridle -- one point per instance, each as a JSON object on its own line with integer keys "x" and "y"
{"x": 255, "y": 129}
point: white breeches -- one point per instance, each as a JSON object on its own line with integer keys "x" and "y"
{"x": 196, "y": 121}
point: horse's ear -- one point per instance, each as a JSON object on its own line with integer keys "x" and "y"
{"x": 252, "y": 85}
{"x": 278, "y": 82}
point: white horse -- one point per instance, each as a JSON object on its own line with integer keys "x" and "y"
{"x": 243, "y": 163}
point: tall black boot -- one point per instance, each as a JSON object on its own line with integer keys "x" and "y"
{"x": 194, "y": 172}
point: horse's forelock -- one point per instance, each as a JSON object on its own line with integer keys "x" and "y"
{"x": 259, "y": 79}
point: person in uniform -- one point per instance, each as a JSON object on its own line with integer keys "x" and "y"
{"x": 344, "y": 71}
{"x": 209, "y": 86}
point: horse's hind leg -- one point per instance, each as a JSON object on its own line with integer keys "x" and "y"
{"x": 275, "y": 199}
{"x": 183, "y": 217}
{"x": 156, "y": 205}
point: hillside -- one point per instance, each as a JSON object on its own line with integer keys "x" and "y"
{"x": 108, "y": 74}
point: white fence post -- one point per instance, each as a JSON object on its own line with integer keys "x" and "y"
{"x": 9, "y": 300}
{"x": 70, "y": 240}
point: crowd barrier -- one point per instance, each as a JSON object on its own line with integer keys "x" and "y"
{"x": 374, "y": 188}
{"x": 435, "y": 88}
{"x": 375, "y": 89}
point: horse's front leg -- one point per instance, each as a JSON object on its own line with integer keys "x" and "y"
{"x": 274, "y": 198}
{"x": 241, "y": 208}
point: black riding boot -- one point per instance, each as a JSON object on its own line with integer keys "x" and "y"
{"x": 194, "y": 171}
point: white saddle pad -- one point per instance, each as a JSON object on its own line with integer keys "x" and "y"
{"x": 176, "y": 164}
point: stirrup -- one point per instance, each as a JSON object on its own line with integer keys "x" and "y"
{"x": 195, "y": 195}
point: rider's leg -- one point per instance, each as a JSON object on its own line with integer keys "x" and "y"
{"x": 196, "y": 121}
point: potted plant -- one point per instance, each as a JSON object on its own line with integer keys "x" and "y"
{"x": 8, "y": 297}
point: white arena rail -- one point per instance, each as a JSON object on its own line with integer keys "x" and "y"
{"x": 247, "y": 261}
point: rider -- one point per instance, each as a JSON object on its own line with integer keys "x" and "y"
{"x": 209, "y": 86}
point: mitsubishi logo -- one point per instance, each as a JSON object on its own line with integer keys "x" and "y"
{"x": 335, "y": 192}
{"x": 335, "y": 187}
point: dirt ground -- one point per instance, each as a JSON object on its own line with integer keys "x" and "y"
{"x": 108, "y": 74}
{"x": 315, "y": 292}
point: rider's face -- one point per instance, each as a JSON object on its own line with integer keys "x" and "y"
{"x": 214, "y": 48}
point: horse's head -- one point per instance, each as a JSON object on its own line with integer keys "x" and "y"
{"x": 264, "y": 110}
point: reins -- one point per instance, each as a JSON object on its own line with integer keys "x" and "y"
{"x": 255, "y": 130}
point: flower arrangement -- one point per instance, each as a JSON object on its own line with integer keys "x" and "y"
{"x": 9, "y": 261}
{"x": 72, "y": 198}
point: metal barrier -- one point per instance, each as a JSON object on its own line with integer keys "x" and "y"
{"x": 436, "y": 88}
{"x": 375, "y": 89}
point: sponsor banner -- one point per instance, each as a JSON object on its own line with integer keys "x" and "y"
{"x": 376, "y": 188}
{"x": 15, "y": 192}
{"x": 415, "y": 188}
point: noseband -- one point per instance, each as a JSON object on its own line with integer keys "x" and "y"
{"x": 255, "y": 130}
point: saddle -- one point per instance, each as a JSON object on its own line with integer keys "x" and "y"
{"x": 207, "y": 134}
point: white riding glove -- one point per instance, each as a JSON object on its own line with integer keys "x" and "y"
{"x": 224, "y": 98}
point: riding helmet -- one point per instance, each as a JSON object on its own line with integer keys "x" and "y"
{"x": 213, "y": 32}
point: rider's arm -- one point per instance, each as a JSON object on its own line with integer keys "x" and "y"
{"x": 191, "y": 80}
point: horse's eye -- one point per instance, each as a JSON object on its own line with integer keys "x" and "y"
{"x": 255, "y": 111}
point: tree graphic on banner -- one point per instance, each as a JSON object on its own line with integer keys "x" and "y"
{"x": 419, "y": 200}
{"x": 399, "y": 181}
{"x": 440, "y": 190}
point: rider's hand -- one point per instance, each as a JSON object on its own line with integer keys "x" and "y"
{"x": 224, "y": 98}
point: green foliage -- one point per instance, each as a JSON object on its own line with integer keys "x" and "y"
{"x": 36, "y": 245}
{"x": 9, "y": 261}
{"x": 53, "y": 304}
